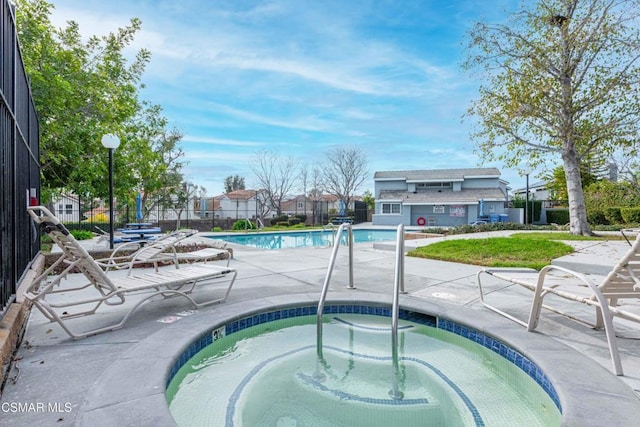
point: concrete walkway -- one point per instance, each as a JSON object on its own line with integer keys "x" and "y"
{"x": 116, "y": 378}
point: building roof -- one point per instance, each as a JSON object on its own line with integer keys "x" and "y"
{"x": 469, "y": 196}
{"x": 438, "y": 174}
{"x": 536, "y": 186}
{"x": 241, "y": 194}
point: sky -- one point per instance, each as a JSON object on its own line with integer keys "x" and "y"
{"x": 298, "y": 77}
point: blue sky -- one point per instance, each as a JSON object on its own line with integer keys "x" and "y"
{"x": 297, "y": 77}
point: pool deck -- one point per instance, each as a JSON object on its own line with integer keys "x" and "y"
{"x": 118, "y": 378}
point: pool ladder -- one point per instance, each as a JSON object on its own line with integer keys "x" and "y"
{"x": 398, "y": 287}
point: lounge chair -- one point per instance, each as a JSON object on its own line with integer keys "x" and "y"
{"x": 103, "y": 289}
{"x": 622, "y": 282}
{"x": 203, "y": 255}
{"x": 161, "y": 250}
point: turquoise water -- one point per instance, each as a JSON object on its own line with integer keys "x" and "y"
{"x": 270, "y": 375}
{"x": 302, "y": 239}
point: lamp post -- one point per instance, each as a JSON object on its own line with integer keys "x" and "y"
{"x": 526, "y": 205}
{"x": 111, "y": 142}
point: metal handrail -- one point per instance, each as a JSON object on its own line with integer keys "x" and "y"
{"x": 398, "y": 286}
{"x": 332, "y": 229}
{"x": 327, "y": 279}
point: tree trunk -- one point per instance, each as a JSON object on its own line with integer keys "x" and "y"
{"x": 577, "y": 212}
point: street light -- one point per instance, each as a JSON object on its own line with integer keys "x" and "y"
{"x": 526, "y": 205}
{"x": 111, "y": 142}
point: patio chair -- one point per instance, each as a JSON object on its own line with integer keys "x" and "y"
{"x": 161, "y": 250}
{"x": 204, "y": 255}
{"x": 56, "y": 301}
{"x": 622, "y": 282}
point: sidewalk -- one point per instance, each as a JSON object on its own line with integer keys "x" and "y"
{"x": 107, "y": 379}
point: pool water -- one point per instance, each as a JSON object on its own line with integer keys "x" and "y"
{"x": 301, "y": 239}
{"x": 270, "y": 375}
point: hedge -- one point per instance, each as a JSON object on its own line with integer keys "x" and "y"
{"x": 558, "y": 216}
{"x": 630, "y": 215}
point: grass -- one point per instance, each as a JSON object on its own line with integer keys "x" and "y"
{"x": 497, "y": 251}
{"x": 564, "y": 236}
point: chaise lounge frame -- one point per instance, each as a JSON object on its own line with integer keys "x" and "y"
{"x": 622, "y": 282}
{"x": 166, "y": 282}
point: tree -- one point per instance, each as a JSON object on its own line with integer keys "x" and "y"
{"x": 83, "y": 90}
{"x": 344, "y": 170}
{"x": 369, "y": 200}
{"x": 233, "y": 183}
{"x": 276, "y": 176}
{"x": 178, "y": 200}
{"x": 562, "y": 82}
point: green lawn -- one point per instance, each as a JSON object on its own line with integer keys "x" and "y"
{"x": 524, "y": 251}
{"x": 565, "y": 236}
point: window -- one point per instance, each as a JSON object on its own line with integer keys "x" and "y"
{"x": 391, "y": 208}
{"x": 300, "y": 205}
{"x": 69, "y": 209}
{"x": 438, "y": 209}
{"x": 433, "y": 185}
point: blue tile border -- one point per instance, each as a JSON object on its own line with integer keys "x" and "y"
{"x": 513, "y": 356}
{"x": 487, "y": 341}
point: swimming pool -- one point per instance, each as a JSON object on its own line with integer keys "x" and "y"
{"x": 301, "y": 239}
{"x": 263, "y": 370}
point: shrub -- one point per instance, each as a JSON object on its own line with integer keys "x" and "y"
{"x": 279, "y": 219}
{"x": 613, "y": 215}
{"x": 243, "y": 224}
{"x": 283, "y": 223}
{"x": 597, "y": 217}
{"x": 293, "y": 221}
{"x": 303, "y": 217}
{"x": 630, "y": 215}
{"x": 558, "y": 216}
{"x": 81, "y": 234}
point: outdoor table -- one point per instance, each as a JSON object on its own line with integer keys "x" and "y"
{"x": 141, "y": 232}
{"x": 139, "y": 225}
{"x": 342, "y": 219}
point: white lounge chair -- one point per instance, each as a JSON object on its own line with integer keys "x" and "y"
{"x": 102, "y": 289}
{"x": 203, "y": 255}
{"x": 161, "y": 250}
{"x": 622, "y": 282}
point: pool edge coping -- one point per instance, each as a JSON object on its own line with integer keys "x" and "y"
{"x": 124, "y": 390}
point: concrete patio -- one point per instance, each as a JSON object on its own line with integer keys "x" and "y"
{"x": 116, "y": 378}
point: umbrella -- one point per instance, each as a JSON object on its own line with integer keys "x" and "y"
{"x": 139, "y": 215}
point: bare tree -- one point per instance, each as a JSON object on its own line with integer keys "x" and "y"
{"x": 276, "y": 175}
{"x": 562, "y": 81}
{"x": 344, "y": 170}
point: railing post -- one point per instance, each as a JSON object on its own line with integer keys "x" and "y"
{"x": 350, "y": 243}
{"x": 323, "y": 294}
{"x": 395, "y": 393}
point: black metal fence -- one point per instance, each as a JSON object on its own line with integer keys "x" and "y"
{"x": 19, "y": 162}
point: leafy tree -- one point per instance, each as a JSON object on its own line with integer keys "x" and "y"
{"x": 558, "y": 182}
{"x": 276, "y": 176}
{"x": 606, "y": 194}
{"x": 561, "y": 80}
{"x": 369, "y": 199}
{"x": 178, "y": 199}
{"x": 344, "y": 170}
{"x": 83, "y": 90}
{"x": 233, "y": 183}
